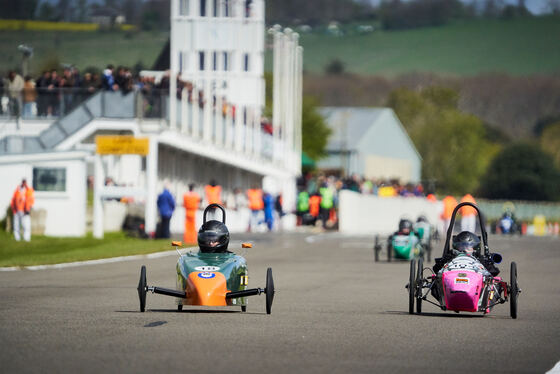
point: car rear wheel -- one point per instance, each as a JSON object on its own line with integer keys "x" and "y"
{"x": 411, "y": 287}
{"x": 514, "y": 291}
{"x": 389, "y": 252}
{"x": 269, "y": 290}
{"x": 418, "y": 288}
{"x": 142, "y": 285}
{"x": 429, "y": 250}
{"x": 376, "y": 248}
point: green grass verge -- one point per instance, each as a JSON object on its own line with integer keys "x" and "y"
{"x": 50, "y": 250}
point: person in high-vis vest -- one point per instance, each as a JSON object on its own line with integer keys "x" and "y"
{"x": 256, "y": 204}
{"x": 327, "y": 203}
{"x": 314, "y": 206}
{"x": 302, "y": 207}
{"x": 449, "y": 203}
{"x": 213, "y": 193}
{"x": 22, "y": 202}
{"x": 191, "y": 202}
{"x": 468, "y": 214}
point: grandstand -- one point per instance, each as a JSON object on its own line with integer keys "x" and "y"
{"x": 208, "y": 126}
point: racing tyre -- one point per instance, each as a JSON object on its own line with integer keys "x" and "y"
{"x": 376, "y": 248}
{"x": 429, "y": 251}
{"x": 418, "y": 286}
{"x": 243, "y": 308}
{"x": 179, "y": 307}
{"x": 389, "y": 252}
{"x": 411, "y": 287}
{"x": 269, "y": 290}
{"x": 513, "y": 291}
{"x": 142, "y": 285}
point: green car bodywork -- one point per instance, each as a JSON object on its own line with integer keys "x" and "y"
{"x": 232, "y": 266}
{"x": 406, "y": 246}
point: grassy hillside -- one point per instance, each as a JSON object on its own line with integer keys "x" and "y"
{"x": 81, "y": 48}
{"x": 518, "y": 46}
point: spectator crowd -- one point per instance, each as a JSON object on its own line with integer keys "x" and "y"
{"x": 55, "y": 93}
{"x": 317, "y": 196}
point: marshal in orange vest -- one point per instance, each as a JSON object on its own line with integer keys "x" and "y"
{"x": 255, "y": 196}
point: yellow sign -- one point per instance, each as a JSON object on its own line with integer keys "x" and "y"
{"x": 121, "y": 145}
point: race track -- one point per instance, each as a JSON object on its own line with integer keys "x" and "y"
{"x": 335, "y": 310}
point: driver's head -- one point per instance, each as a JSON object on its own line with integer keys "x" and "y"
{"x": 213, "y": 237}
{"x": 466, "y": 242}
{"x": 422, "y": 219}
{"x": 405, "y": 226}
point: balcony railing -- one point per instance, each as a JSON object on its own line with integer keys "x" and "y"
{"x": 58, "y": 102}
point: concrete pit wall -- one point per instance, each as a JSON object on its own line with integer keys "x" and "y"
{"x": 370, "y": 215}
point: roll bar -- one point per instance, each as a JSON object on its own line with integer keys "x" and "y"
{"x": 481, "y": 221}
{"x": 214, "y": 206}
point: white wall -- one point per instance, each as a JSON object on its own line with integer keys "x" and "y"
{"x": 367, "y": 215}
{"x": 66, "y": 211}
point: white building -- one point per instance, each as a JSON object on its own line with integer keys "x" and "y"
{"x": 370, "y": 142}
{"x": 212, "y": 131}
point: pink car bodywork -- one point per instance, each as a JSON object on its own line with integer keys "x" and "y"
{"x": 462, "y": 289}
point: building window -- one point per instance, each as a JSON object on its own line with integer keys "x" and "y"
{"x": 248, "y": 8}
{"x": 202, "y": 8}
{"x": 226, "y": 8}
{"x": 49, "y": 179}
{"x": 215, "y": 61}
{"x": 226, "y": 61}
{"x": 201, "y": 61}
{"x": 215, "y": 7}
{"x": 246, "y": 62}
{"x": 184, "y": 7}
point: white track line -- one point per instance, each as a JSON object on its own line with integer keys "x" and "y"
{"x": 555, "y": 369}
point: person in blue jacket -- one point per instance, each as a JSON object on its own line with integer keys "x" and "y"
{"x": 268, "y": 201}
{"x": 166, "y": 206}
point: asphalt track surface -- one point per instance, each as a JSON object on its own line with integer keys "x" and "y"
{"x": 335, "y": 310}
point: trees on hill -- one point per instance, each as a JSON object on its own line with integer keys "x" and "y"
{"x": 453, "y": 145}
{"x": 522, "y": 172}
{"x": 550, "y": 142}
{"x": 315, "y": 132}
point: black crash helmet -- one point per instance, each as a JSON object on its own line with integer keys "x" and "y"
{"x": 405, "y": 225}
{"x": 466, "y": 242}
{"x": 213, "y": 237}
{"x": 422, "y": 219}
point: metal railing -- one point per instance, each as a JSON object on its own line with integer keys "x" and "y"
{"x": 58, "y": 102}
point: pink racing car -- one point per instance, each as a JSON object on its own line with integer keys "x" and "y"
{"x": 465, "y": 278}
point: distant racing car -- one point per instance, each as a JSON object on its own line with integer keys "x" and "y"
{"x": 405, "y": 244}
{"x": 212, "y": 276}
{"x": 464, "y": 279}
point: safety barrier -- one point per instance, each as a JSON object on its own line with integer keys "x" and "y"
{"x": 523, "y": 210}
{"x": 366, "y": 214}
